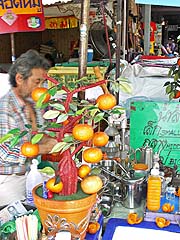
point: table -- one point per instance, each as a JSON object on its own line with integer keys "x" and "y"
{"x": 115, "y": 222}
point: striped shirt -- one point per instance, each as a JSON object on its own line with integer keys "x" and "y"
{"x": 14, "y": 114}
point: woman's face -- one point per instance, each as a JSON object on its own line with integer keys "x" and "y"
{"x": 25, "y": 87}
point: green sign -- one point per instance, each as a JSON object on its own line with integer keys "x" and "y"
{"x": 157, "y": 124}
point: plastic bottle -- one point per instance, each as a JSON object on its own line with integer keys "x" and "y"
{"x": 156, "y": 161}
{"x": 154, "y": 191}
{"x": 33, "y": 179}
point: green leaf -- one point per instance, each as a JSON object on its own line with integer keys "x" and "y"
{"x": 68, "y": 139}
{"x": 99, "y": 117}
{"x": 51, "y": 134}
{"x": 118, "y": 110}
{"x": 36, "y": 138}
{"x": 40, "y": 100}
{"x": 93, "y": 112}
{"x": 79, "y": 112}
{"x": 84, "y": 102}
{"x": 51, "y": 114}
{"x": 63, "y": 117}
{"x": 123, "y": 79}
{"x": 14, "y": 141}
{"x": 52, "y": 91}
{"x": 57, "y": 106}
{"x": 171, "y": 95}
{"x": 54, "y": 125}
{"x": 14, "y": 131}
{"x": 58, "y": 147}
{"x": 125, "y": 87}
{"x": 93, "y": 108}
{"x": 176, "y": 77}
{"x": 73, "y": 106}
{"x": 57, "y": 179}
{"x": 6, "y": 137}
{"x": 28, "y": 126}
{"x": 168, "y": 89}
{"x": 166, "y": 84}
{"x": 67, "y": 146}
{"x": 22, "y": 134}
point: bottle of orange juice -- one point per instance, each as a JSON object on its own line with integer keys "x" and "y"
{"x": 154, "y": 191}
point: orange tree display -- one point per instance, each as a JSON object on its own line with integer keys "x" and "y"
{"x": 74, "y": 123}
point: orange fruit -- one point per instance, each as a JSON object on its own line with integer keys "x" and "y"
{"x": 178, "y": 62}
{"x": 100, "y": 139}
{"x": 29, "y": 150}
{"x": 93, "y": 227}
{"x": 83, "y": 132}
{"x": 106, "y": 101}
{"x": 92, "y": 155}
{"x": 37, "y": 93}
{"x": 177, "y": 94}
{"x": 51, "y": 186}
{"x": 91, "y": 184}
{"x": 83, "y": 170}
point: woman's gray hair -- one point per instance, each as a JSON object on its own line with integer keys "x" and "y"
{"x": 24, "y": 65}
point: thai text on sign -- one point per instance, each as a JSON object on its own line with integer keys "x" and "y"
{"x": 157, "y": 124}
{"x": 21, "y": 6}
{"x": 61, "y": 22}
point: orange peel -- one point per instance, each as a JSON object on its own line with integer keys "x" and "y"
{"x": 162, "y": 222}
{"x": 167, "y": 207}
{"x": 134, "y": 219}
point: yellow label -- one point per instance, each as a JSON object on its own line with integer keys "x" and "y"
{"x": 20, "y": 6}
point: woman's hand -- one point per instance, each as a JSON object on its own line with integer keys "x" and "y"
{"x": 46, "y": 144}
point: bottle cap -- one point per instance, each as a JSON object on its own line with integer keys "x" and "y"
{"x": 154, "y": 172}
{"x": 34, "y": 164}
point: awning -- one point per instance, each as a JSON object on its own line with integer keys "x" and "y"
{"x": 49, "y": 2}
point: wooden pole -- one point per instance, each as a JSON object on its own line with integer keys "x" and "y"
{"x": 147, "y": 20}
{"x": 84, "y": 29}
{"x": 124, "y": 32}
{"x": 119, "y": 35}
{"x": 13, "y": 58}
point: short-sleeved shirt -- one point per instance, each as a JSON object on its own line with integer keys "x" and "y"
{"x": 14, "y": 114}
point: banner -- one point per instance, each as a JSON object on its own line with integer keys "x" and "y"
{"x": 61, "y": 22}
{"x": 174, "y": 3}
{"x": 21, "y": 16}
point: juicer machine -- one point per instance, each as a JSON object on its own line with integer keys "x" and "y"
{"x": 117, "y": 130}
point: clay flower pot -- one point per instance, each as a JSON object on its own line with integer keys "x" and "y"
{"x": 74, "y": 211}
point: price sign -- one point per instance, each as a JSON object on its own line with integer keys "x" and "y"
{"x": 158, "y": 125}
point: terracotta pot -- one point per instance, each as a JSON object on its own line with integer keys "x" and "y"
{"x": 74, "y": 211}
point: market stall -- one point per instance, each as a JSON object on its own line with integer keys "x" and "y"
{"x": 93, "y": 187}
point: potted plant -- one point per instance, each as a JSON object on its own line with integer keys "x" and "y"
{"x": 75, "y": 124}
{"x": 173, "y": 87}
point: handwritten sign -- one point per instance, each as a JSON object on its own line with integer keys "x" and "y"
{"x": 21, "y": 16}
{"x": 158, "y": 125}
